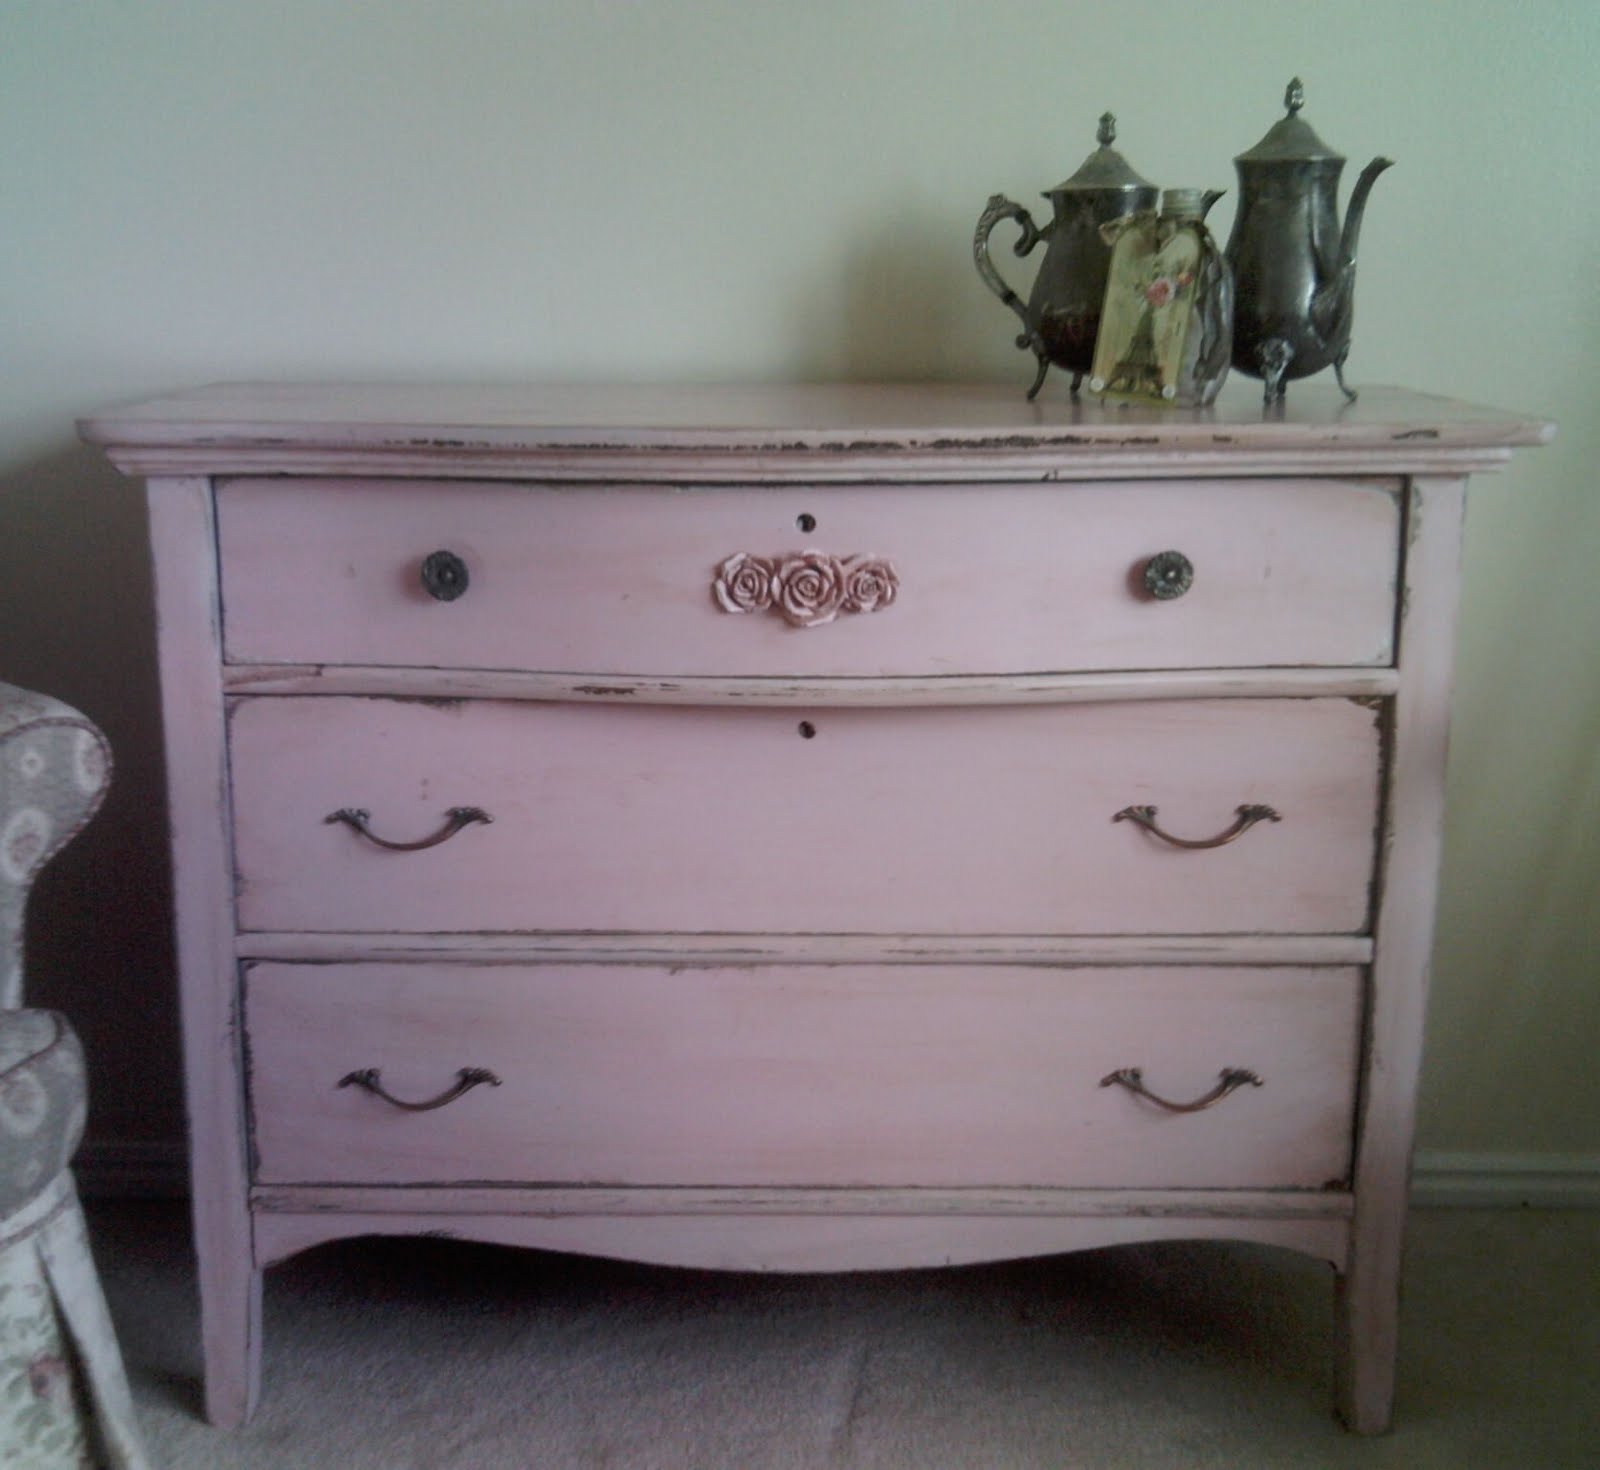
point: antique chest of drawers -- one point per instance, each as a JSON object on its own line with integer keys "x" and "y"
{"x": 809, "y": 828}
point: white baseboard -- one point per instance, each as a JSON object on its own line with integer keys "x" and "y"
{"x": 108, "y": 1169}
{"x": 1507, "y": 1181}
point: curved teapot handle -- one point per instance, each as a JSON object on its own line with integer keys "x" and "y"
{"x": 999, "y": 208}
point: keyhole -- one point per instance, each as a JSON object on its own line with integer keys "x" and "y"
{"x": 806, "y": 522}
{"x": 807, "y": 730}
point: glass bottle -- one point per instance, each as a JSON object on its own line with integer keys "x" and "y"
{"x": 1166, "y": 328}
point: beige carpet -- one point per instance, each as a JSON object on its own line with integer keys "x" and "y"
{"x": 431, "y": 1355}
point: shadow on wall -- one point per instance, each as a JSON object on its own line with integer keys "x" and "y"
{"x": 904, "y": 303}
{"x": 76, "y": 622}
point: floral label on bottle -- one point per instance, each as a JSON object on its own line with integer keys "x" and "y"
{"x": 1149, "y": 303}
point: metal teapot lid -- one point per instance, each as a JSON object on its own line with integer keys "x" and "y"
{"x": 1291, "y": 139}
{"x": 1105, "y": 168}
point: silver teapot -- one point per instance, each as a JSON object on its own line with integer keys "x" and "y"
{"x": 1062, "y": 316}
{"x": 1294, "y": 269}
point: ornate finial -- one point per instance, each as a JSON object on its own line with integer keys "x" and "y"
{"x": 1108, "y": 129}
{"x": 1294, "y": 96}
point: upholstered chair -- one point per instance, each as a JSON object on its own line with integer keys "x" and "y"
{"x": 64, "y": 1401}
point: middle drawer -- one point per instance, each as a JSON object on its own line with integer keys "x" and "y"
{"x": 989, "y": 820}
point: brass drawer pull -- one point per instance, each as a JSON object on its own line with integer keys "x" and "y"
{"x": 466, "y": 1079}
{"x": 455, "y": 819}
{"x": 1133, "y": 1079}
{"x": 1248, "y": 816}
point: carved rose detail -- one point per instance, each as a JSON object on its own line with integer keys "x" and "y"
{"x": 869, "y": 584}
{"x": 807, "y": 588}
{"x": 810, "y": 588}
{"x": 744, "y": 583}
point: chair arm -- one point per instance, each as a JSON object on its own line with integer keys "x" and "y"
{"x": 55, "y": 766}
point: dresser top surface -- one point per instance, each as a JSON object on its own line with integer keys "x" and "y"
{"x": 861, "y": 418}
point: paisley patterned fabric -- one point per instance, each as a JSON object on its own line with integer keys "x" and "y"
{"x": 64, "y": 1401}
{"x": 54, "y": 770}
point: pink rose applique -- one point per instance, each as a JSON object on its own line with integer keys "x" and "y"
{"x": 869, "y": 583}
{"x": 744, "y": 583}
{"x": 810, "y": 588}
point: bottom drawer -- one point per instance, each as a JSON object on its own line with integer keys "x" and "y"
{"x": 846, "y": 1075}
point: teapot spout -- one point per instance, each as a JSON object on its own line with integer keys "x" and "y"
{"x": 1208, "y": 198}
{"x": 1355, "y": 210}
{"x": 1331, "y": 304}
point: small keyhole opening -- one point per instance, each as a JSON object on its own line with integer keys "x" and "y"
{"x": 806, "y": 522}
{"x": 807, "y": 730}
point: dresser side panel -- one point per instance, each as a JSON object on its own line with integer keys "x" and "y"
{"x": 182, "y": 535}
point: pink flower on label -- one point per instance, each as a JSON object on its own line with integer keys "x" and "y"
{"x": 1159, "y": 292}
{"x": 810, "y": 588}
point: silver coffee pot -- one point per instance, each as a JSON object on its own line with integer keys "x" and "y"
{"x": 1062, "y": 316}
{"x": 1294, "y": 269}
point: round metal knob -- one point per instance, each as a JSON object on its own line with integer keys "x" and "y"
{"x": 444, "y": 576}
{"x": 1168, "y": 574}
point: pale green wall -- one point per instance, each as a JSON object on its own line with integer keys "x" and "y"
{"x": 737, "y": 189}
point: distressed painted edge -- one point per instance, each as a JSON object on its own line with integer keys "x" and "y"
{"x": 128, "y": 1169}
{"x": 598, "y": 1200}
{"x": 706, "y": 466}
{"x": 813, "y": 949}
{"x": 888, "y": 692}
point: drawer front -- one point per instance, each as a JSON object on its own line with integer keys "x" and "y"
{"x": 989, "y": 579}
{"x": 806, "y": 1075}
{"x": 939, "y": 821}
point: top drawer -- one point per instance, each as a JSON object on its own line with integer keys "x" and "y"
{"x": 617, "y": 580}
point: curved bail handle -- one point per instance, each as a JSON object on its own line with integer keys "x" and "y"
{"x": 456, "y": 818}
{"x": 999, "y": 208}
{"x": 1230, "y": 1080}
{"x": 370, "y": 1079}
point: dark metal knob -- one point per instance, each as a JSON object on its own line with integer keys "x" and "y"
{"x": 444, "y": 575}
{"x": 1168, "y": 574}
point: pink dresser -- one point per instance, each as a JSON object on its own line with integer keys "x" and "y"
{"x": 803, "y": 828}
